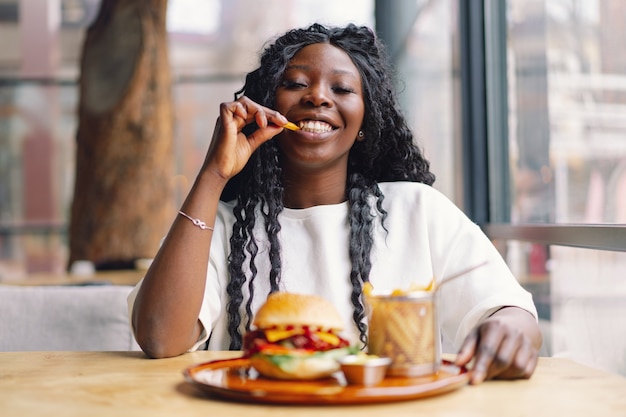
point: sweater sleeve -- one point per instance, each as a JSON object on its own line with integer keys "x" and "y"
{"x": 456, "y": 244}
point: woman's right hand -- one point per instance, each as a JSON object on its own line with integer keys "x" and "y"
{"x": 165, "y": 313}
{"x": 231, "y": 149}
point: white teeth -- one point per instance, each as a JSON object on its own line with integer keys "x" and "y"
{"x": 315, "y": 126}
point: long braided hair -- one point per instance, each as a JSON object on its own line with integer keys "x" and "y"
{"x": 388, "y": 153}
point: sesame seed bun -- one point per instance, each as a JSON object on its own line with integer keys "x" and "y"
{"x": 289, "y": 309}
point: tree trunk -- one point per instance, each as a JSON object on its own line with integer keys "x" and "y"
{"x": 123, "y": 201}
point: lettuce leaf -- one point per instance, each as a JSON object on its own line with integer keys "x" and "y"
{"x": 283, "y": 360}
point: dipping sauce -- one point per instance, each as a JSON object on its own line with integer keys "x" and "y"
{"x": 364, "y": 369}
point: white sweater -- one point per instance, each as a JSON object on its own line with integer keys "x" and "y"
{"x": 427, "y": 236}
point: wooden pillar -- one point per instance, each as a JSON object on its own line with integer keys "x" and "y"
{"x": 122, "y": 203}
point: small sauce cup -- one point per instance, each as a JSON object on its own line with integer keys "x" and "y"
{"x": 364, "y": 370}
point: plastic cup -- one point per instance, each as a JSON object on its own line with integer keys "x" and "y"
{"x": 404, "y": 328}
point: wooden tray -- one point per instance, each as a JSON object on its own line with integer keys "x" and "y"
{"x": 234, "y": 379}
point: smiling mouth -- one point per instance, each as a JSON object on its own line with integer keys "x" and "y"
{"x": 315, "y": 126}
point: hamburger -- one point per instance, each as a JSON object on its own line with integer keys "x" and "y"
{"x": 295, "y": 336}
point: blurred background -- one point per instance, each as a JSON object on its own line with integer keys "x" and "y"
{"x": 520, "y": 105}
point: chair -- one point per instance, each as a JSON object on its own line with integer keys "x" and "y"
{"x": 49, "y": 318}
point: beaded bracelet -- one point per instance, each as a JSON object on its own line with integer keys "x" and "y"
{"x": 197, "y": 222}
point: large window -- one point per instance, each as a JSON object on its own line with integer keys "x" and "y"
{"x": 212, "y": 44}
{"x": 422, "y": 39}
{"x": 560, "y": 214}
{"x": 520, "y": 105}
{"x": 567, "y": 101}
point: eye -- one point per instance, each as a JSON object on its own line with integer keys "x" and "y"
{"x": 343, "y": 89}
{"x": 293, "y": 85}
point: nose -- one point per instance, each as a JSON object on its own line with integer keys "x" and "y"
{"x": 317, "y": 96}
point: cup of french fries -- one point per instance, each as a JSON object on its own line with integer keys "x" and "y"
{"x": 403, "y": 326}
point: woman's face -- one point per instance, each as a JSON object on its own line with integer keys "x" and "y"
{"x": 321, "y": 92}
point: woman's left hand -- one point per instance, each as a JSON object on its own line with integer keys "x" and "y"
{"x": 503, "y": 346}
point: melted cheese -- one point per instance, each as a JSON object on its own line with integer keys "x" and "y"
{"x": 275, "y": 335}
{"x": 280, "y": 334}
{"x": 329, "y": 338}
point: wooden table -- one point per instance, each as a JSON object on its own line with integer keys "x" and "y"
{"x": 127, "y": 384}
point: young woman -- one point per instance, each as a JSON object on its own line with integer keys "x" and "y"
{"x": 344, "y": 200}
